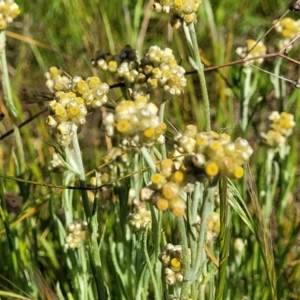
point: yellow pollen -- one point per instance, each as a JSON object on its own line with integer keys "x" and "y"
{"x": 112, "y": 66}
{"x": 166, "y": 73}
{"x": 79, "y": 100}
{"x": 157, "y": 178}
{"x": 238, "y": 172}
{"x": 286, "y": 32}
{"x": 189, "y": 18}
{"x": 73, "y": 111}
{"x": 82, "y": 87}
{"x": 163, "y": 126}
{"x": 178, "y": 177}
{"x": 123, "y": 126}
{"x": 169, "y": 191}
{"x": 211, "y": 169}
{"x": 162, "y": 204}
{"x": 60, "y": 111}
{"x": 53, "y": 70}
{"x": 149, "y": 133}
{"x": 178, "y": 3}
{"x": 201, "y": 141}
{"x": 215, "y": 145}
{"x": 93, "y": 81}
{"x": 175, "y": 264}
{"x": 167, "y": 163}
{"x": 214, "y": 134}
{"x": 285, "y": 123}
{"x": 174, "y": 79}
{"x": 178, "y": 211}
{"x": 153, "y": 82}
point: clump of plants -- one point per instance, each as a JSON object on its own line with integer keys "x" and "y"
{"x": 157, "y": 208}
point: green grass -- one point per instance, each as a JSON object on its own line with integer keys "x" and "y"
{"x": 261, "y": 210}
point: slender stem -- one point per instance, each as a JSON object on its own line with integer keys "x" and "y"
{"x": 195, "y": 60}
{"x": 5, "y": 78}
{"x": 148, "y": 158}
{"x": 161, "y": 118}
{"x": 12, "y": 108}
{"x": 94, "y": 250}
{"x": 224, "y": 238}
{"x": 246, "y": 100}
{"x": 149, "y": 265}
{"x": 67, "y": 197}
{"x": 187, "y": 281}
{"x": 272, "y": 176}
{"x": 206, "y": 211}
{"x": 192, "y": 218}
{"x": 81, "y": 173}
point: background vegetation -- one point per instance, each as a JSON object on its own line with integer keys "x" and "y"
{"x": 33, "y": 262}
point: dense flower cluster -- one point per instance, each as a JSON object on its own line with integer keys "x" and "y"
{"x": 140, "y": 219}
{"x": 77, "y": 234}
{"x": 213, "y": 227}
{"x": 288, "y": 28}
{"x": 165, "y": 189}
{"x": 56, "y": 81}
{"x": 171, "y": 259}
{"x": 9, "y": 10}
{"x": 181, "y": 10}
{"x": 124, "y": 65}
{"x": 259, "y": 50}
{"x": 281, "y": 128}
{"x": 71, "y": 107}
{"x": 198, "y": 156}
{"x": 158, "y": 69}
{"x": 136, "y": 122}
{"x": 208, "y": 154}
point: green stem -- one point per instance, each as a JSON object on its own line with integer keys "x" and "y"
{"x": 192, "y": 218}
{"x": 161, "y": 118}
{"x": 187, "y": 281}
{"x": 79, "y": 164}
{"x": 272, "y": 177}
{"x": 224, "y": 238}
{"x": 148, "y": 158}
{"x": 5, "y": 79}
{"x": 94, "y": 250}
{"x": 206, "y": 211}
{"x": 12, "y": 108}
{"x": 275, "y": 79}
{"x": 149, "y": 265}
{"x": 195, "y": 60}
{"x": 67, "y": 197}
{"x": 247, "y": 96}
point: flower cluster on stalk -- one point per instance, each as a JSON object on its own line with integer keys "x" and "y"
{"x": 288, "y": 28}
{"x": 198, "y": 156}
{"x": 158, "y": 69}
{"x": 282, "y": 125}
{"x": 209, "y": 154}
{"x": 56, "y": 81}
{"x": 259, "y": 50}
{"x": 9, "y": 10}
{"x": 77, "y": 234}
{"x": 171, "y": 259}
{"x": 69, "y": 108}
{"x": 180, "y": 10}
{"x": 136, "y": 122}
{"x": 165, "y": 189}
{"x": 141, "y": 219}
